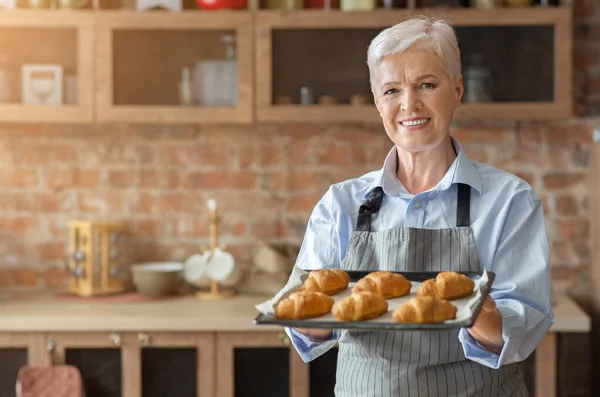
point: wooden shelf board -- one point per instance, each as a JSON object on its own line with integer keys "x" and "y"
{"x": 173, "y": 114}
{"x": 10, "y": 112}
{"x": 384, "y": 18}
{"x": 368, "y": 113}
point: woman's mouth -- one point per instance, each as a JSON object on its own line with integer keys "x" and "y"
{"x": 415, "y": 123}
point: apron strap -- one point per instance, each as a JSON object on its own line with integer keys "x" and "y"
{"x": 368, "y": 208}
{"x": 463, "y": 206}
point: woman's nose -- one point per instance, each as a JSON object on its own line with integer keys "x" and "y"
{"x": 410, "y": 102}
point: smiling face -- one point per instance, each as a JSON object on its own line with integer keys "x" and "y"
{"x": 416, "y": 99}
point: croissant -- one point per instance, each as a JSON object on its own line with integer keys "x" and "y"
{"x": 447, "y": 285}
{"x": 360, "y": 306}
{"x": 388, "y": 284}
{"x": 424, "y": 309}
{"x": 303, "y": 304}
{"x": 328, "y": 281}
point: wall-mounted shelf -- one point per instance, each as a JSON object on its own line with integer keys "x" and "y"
{"x": 42, "y": 37}
{"x": 140, "y": 56}
{"x": 528, "y": 51}
{"x": 128, "y": 63}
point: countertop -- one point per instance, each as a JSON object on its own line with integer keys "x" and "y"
{"x": 43, "y": 311}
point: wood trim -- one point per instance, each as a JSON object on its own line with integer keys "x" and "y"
{"x": 131, "y": 370}
{"x": 563, "y": 68}
{"x": 383, "y": 18}
{"x": 369, "y": 114}
{"x": 107, "y": 22}
{"x": 545, "y": 367}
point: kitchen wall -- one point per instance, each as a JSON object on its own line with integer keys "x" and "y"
{"x": 266, "y": 178}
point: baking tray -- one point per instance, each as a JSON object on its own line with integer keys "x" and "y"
{"x": 470, "y": 306}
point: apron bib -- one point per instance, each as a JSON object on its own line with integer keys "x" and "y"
{"x": 415, "y": 363}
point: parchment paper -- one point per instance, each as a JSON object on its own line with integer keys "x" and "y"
{"x": 465, "y": 306}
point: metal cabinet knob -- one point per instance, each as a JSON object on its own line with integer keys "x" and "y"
{"x": 115, "y": 338}
{"x": 144, "y": 339}
{"x": 284, "y": 338}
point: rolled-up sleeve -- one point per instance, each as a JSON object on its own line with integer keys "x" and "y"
{"x": 522, "y": 286}
{"x": 320, "y": 249}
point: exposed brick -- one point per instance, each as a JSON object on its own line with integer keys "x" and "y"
{"x": 53, "y": 202}
{"x": 121, "y": 178}
{"x": 25, "y": 276}
{"x": 566, "y": 205}
{"x": 560, "y": 134}
{"x": 158, "y": 179}
{"x": 55, "y": 277}
{"x": 65, "y": 178}
{"x": 562, "y": 180}
{"x": 187, "y": 154}
{"x": 18, "y": 177}
{"x": 574, "y": 230}
{"x": 101, "y": 202}
{"x": 558, "y": 253}
{"x": 302, "y": 203}
{"x": 52, "y": 250}
{"x": 171, "y": 203}
{"x": 269, "y": 229}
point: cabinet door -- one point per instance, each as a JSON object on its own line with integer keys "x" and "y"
{"x": 16, "y": 351}
{"x": 259, "y": 364}
{"x": 102, "y": 358}
{"x": 176, "y": 364}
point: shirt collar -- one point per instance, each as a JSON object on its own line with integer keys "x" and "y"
{"x": 462, "y": 170}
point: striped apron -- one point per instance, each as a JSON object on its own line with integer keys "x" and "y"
{"x": 415, "y": 363}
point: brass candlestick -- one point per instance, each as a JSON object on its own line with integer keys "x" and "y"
{"x": 213, "y": 220}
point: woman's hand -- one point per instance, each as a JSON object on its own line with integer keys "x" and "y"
{"x": 487, "y": 328}
{"x": 315, "y": 334}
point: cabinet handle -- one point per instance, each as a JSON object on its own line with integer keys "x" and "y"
{"x": 115, "y": 338}
{"x": 284, "y": 338}
{"x": 144, "y": 339}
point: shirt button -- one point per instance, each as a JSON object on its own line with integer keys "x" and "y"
{"x": 417, "y": 205}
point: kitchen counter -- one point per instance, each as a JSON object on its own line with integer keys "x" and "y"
{"x": 28, "y": 311}
{"x": 33, "y": 312}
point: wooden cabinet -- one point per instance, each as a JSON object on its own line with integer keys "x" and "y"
{"x": 526, "y": 52}
{"x": 39, "y": 37}
{"x": 129, "y": 64}
{"x": 135, "y": 364}
{"x": 140, "y": 59}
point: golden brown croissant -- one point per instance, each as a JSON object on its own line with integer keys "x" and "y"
{"x": 304, "y": 304}
{"x": 360, "y": 306}
{"x": 447, "y": 285}
{"x": 388, "y": 284}
{"x": 328, "y": 281}
{"x": 424, "y": 309}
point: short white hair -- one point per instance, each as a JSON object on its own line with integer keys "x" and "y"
{"x": 419, "y": 32}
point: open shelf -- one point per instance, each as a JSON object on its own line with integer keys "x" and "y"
{"x": 140, "y": 57}
{"x": 524, "y": 49}
{"x": 62, "y": 39}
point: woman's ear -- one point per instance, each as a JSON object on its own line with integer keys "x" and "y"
{"x": 459, "y": 90}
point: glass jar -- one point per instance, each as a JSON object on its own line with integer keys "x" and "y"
{"x": 477, "y": 81}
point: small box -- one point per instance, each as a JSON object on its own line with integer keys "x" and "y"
{"x": 42, "y": 84}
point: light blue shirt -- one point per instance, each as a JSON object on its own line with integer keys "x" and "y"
{"x": 509, "y": 229}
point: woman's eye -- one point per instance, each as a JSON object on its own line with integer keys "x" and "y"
{"x": 390, "y": 91}
{"x": 428, "y": 86}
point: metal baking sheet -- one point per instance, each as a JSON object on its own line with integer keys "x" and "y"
{"x": 468, "y": 307}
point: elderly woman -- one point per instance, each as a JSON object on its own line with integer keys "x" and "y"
{"x": 430, "y": 208}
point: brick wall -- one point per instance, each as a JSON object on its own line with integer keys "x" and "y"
{"x": 266, "y": 179}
